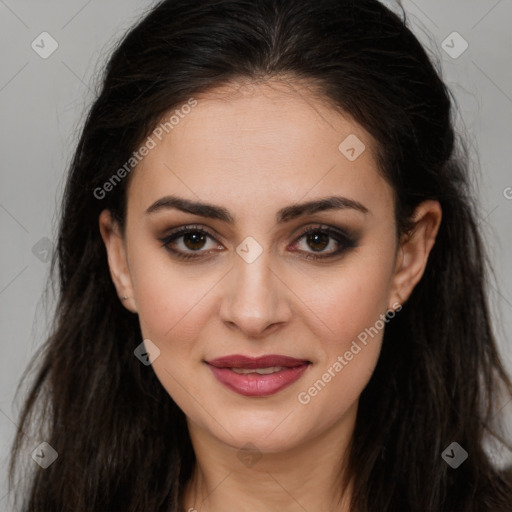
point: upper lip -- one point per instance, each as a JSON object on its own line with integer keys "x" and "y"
{"x": 250, "y": 363}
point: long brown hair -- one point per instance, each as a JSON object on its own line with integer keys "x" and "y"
{"x": 122, "y": 442}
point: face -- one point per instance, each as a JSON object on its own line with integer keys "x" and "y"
{"x": 259, "y": 273}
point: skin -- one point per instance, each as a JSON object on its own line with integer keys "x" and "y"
{"x": 254, "y": 150}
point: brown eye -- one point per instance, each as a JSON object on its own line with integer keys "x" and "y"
{"x": 189, "y": 242}
{"x": 194, "y": 240}
{"x": 318, "y": 241}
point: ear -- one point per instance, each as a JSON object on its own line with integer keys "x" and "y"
{"x": 117, "y": 260}
{"x": 415, "y": 247}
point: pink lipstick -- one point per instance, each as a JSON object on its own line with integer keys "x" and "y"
{"x": 260, "y": 376}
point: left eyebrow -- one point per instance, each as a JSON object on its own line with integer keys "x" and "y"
{"x": 328, "y": 203}
{"x": 284, "y": 215}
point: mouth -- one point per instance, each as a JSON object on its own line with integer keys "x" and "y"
{"x": 260, "y": 376}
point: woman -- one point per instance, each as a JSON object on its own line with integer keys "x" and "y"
{"x": 272, "y": 286}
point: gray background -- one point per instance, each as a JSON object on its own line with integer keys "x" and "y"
{"x": 43, "y": 102}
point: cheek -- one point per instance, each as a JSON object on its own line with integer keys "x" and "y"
{"x": 348, "y": 315}
{"x": 346, "y": 352}
{"x": 342, "y": 302}
{"x": 173, "y": 310}
{"x": 168, "y": 294}
{"x": 176, "y": 304}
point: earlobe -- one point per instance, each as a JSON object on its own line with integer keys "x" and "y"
{"x": 117, "y": 260}
{"x": 415, "y": 249}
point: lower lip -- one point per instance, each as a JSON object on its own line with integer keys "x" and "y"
{"x": 255, "y": 384}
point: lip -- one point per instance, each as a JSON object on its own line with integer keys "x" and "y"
{"x": 255, "y": 384}
{"x": 250, "y": 363}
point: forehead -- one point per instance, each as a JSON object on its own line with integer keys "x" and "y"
{"x": 268, "y": 142}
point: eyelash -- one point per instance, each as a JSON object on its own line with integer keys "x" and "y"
{"x": 342, "y": 238}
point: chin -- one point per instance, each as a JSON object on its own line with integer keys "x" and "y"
{"x": 270, "y": 436}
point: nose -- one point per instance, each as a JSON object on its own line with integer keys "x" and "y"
{"x": 255, "y": 300}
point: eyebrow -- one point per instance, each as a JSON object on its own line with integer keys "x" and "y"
{"x": 284, "y": 215}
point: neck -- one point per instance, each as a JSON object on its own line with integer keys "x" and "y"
{"x": 307, "y": 477}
